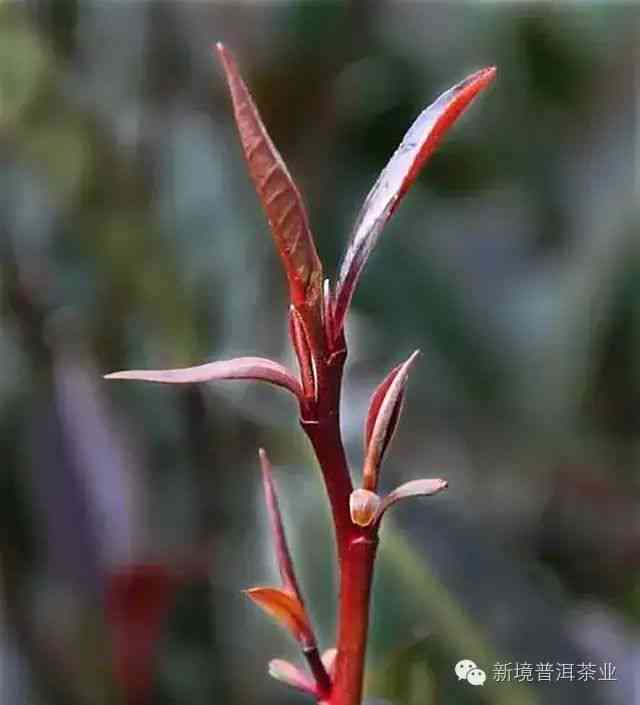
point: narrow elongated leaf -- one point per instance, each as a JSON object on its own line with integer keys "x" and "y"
{"x": 286, "y": 609}
{"x": 277, "y": 191}
{"x": 286, "y": 672}
{"x": 414, "y": 488}
{"x": 285, "y": 564}
{"x": 385, "y": 424}
{"x": 253, "y": 368}
{"x": 396, "y": 179}
{"x": 374, "y": 405}
{"x": 287, "y": 605}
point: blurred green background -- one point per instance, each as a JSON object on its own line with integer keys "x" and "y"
{"x": 130, "y": 236}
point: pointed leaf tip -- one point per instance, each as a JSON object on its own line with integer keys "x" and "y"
{"x": 249, "y": 368}
{"x": 375, "y": 402}
{"x": 283, "y": 555}
{"x": 382, "y": 420}
{"x": 396, "y": 179}
{"x": 277, "y": 192}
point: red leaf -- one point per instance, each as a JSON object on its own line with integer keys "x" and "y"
{"x": 286, "y": 609}
{"x": 396, "y": 179}
{"x": 278, "y": 193}
{"x": 376, "y": 401}
{"x": 253, "y": 368}
{"x": 384, "y": 424}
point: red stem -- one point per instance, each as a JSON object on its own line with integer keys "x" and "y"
{"x": 324, "y": 435}
{"x": 356, "y": 546}
{"x": 356, "y": 573}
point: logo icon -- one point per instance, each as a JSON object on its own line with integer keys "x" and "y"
{"x": 467, "y": 670}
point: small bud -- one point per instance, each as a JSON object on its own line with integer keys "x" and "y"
{"x": 363, "y": 505}
{"x": 291, "y": 675}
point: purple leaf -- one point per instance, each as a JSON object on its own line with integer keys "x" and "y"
{"x": 396, "y": 179}
{"x": 414, "y": 488}
{"x": 255, "y": 368}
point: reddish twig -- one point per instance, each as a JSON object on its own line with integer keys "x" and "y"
{"x": 316, "y": 327}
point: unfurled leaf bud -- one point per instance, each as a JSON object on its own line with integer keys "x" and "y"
{"x": 286, "y": 672}
{"x": 382, "y": 420}
{"x": 363, "y": 505}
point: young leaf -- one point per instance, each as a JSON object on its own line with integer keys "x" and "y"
{"x": 374, "y": 405}
{"x": 385, "y": 423}
{"x": 286, "y": 609}
{"x": 253, "y": 368}
{"x": 286, "y": 672}
{"x": 414, "y": 488}
{"x": 396, "y": 179}
{"x": 287, "y": 605}
{"x": 285, "y": 564}
{"x": 277, "y": 191}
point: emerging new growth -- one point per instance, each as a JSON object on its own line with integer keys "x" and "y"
{"x": 317, "y": 314}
